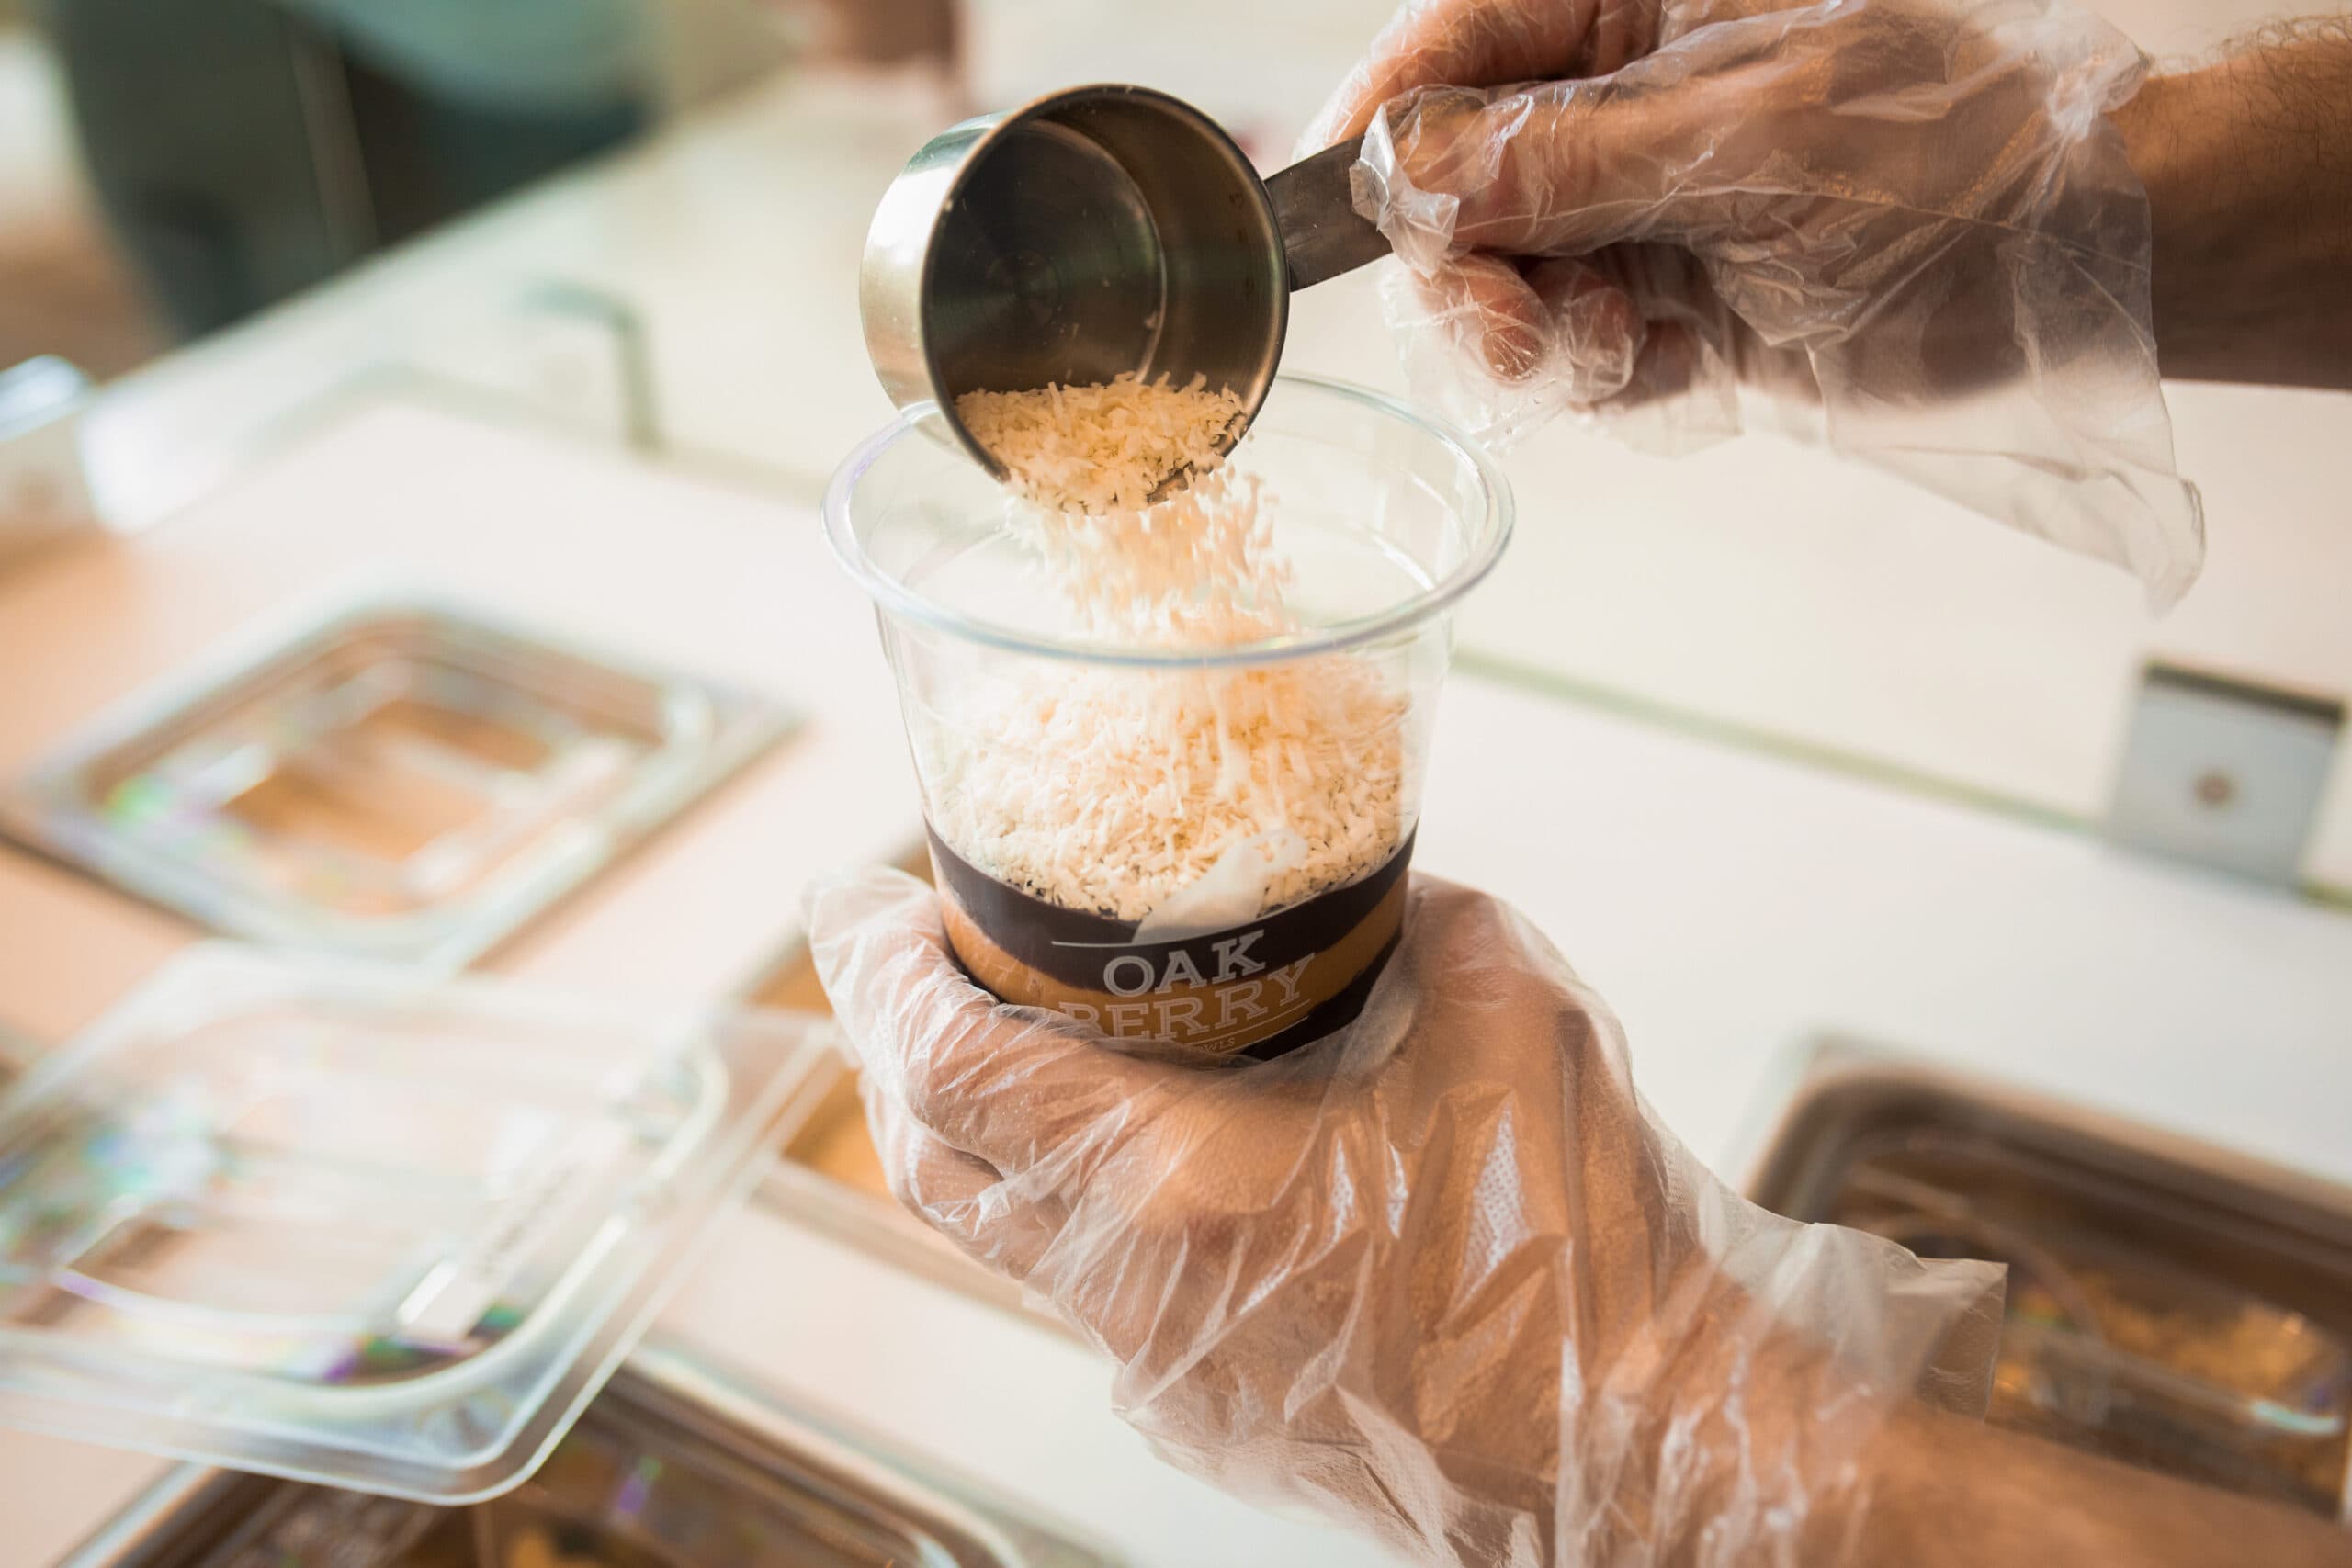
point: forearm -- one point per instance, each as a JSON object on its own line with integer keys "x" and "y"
{"x": 1772, "y": 1435}
{"x": 2248, "y": 168}
{"x": 1945, "y": 1491}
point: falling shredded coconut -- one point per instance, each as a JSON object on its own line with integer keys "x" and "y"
{"x": 1114, "y": 791}
{"x": 1103, "y": 448}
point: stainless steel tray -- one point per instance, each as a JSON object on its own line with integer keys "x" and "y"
{"x": 394, "y": 778}
{"x": 671, "y": 1467}
{"x": 828, "y": 1179}
{"x": 2171, "y": 1304}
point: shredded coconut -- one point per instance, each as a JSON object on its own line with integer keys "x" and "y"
{"x": 1113, "y": 790}
{"x": 1102, "y": 448}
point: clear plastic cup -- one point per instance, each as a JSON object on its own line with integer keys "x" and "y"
{"x": 1205, "y": 845}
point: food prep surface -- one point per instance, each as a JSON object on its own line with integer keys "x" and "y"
{"x": 1727, "y": 904}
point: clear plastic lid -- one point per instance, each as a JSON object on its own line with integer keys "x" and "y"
{"x": 340, "y": 1224}
{"x": 394, "y": 777}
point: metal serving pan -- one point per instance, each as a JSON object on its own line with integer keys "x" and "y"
{"x": 830, "y": 1178}
{"x": 673, "y": 1466}
{"x": 395, "y": 778}
{"x": 2170, "y": 1303}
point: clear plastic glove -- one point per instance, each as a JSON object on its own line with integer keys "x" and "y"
{"x": 1439, "y": 1274}
{"x": 1905, "y": 227}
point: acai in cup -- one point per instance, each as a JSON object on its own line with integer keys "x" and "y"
{"x": 1197, "y": 843}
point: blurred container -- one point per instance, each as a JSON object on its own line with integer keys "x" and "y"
{"x": 1384, "y": 520}
{"x": 882, "y": 32}
{"x": 576, "y": 354}
{"x": 395, "y": 778}
{"x": 2169, "y": 1305}
{"x": 44, "y": 484}
{"x": 676, "y": 1465}
{"x": 1297, "y": 55}
{"x": 334, "y": 1222}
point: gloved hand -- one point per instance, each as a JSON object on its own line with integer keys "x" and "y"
{"x": 1438, "y": 1273}
{"x": 1905, "y": 225}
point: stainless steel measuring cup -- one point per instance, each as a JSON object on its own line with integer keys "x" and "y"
{"x": 1093, "y": 231}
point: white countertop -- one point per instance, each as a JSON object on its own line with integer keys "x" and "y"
{"x": 1727, "y": 904}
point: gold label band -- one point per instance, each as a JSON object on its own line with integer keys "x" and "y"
{"x": 1263, "y": 988}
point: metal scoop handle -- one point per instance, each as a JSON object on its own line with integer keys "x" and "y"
{"x": 1323, "y": 235}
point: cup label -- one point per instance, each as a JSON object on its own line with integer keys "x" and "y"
{"x": 1260, "y": 989}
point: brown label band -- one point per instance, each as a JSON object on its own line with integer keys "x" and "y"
{"x": 1077, "y": 948}
{"x": 1261, "y": 987}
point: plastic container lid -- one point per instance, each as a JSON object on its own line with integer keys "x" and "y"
{"x": 343, "y": 1224}
{"x": 392, "y": 777}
